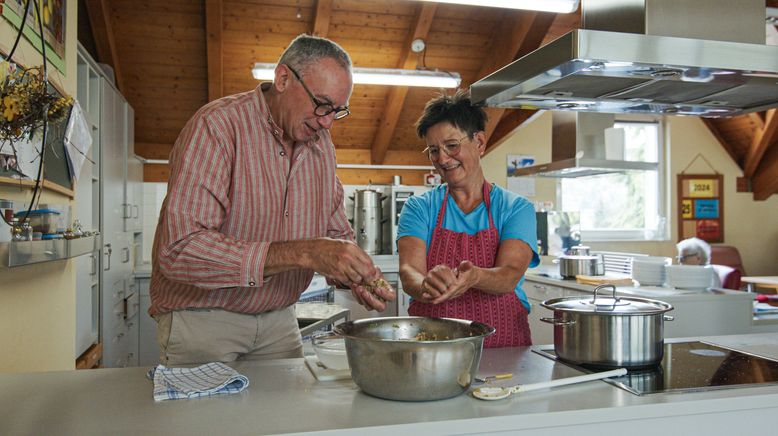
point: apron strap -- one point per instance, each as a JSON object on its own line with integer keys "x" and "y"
{"x": 487, "y": 201}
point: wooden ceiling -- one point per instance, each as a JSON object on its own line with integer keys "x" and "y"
{"x": 173, "y": 56}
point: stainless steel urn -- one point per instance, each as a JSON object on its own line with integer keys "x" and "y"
{"x": 367, "y": 219}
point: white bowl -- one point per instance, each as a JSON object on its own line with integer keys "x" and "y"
{"x": 331, "y": 352}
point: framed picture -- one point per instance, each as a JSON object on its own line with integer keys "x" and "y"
{"x": 54, "y": 19}
{"x": 701, "y": 207}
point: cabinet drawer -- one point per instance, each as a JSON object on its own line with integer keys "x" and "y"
{"x": 541, "y": 291}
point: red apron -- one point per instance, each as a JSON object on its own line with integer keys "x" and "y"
{"x": 504, "y": 312}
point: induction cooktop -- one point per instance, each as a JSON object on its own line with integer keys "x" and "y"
{"x": 690, "y": 367}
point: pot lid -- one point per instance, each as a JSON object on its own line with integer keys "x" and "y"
{"x": 578, "y": 257}
{"x": 608, "y": 305}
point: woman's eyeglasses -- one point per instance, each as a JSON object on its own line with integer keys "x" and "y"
{"x": 451, "y": 148}
{"x": 322, "y": 108}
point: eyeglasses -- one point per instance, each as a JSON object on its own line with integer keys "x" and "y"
{"x": 683, "y": 257}
{"x": 451, "y": 148}
{"x": 322, "y": 108}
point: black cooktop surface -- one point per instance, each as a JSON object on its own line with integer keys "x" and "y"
{"x": 689, "y": 367}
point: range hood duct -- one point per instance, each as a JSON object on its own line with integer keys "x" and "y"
{"x": 578, "y": 148}
{"x": 688, "y": 57}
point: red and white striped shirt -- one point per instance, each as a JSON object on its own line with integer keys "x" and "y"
{"x": 231, "y": 193}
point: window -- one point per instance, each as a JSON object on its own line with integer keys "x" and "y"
{"x": 622, "y": 206}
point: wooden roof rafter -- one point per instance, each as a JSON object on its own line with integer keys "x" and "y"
{"x": 321, "y": 23}
{"x": 527, "y": 30}
{"x": 760, "y": 143}
{"x": 395, "y": 99}
{"x": 726, "y": 145}
{"x": 102, "y": 28}
{"x": 765, "y": 181}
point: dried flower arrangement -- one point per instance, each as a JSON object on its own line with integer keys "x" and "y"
{"x": 26, "y": 104}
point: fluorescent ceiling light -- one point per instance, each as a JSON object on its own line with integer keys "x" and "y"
{"x": 560, "y": 6}
{"x": 381, "y": 76}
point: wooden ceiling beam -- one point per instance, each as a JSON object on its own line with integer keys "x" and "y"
{"x": 526, "y": 31}
{"x": 395, "y": 100}
{"x": 213, "y": 31}
{"x": 762, "y": 139}
{"x": 714, "y": 129}
{"x": 102, "y": 28}
{"x": 757, "y": 118}
{"x": 321, "y": 24}
{"x": 765, "y": 182}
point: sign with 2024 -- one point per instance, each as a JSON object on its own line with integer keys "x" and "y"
{"x": 700, "y": 207}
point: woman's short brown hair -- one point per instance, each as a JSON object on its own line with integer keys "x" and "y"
{"x": 456, "y": 109}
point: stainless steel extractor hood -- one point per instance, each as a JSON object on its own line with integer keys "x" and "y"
{"x": 578, "y": 148}
{"x": 689, "y": 57}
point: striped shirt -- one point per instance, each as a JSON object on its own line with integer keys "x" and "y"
{"x": 232, "y": 191}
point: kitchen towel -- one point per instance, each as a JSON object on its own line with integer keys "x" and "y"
{"x": 213, "y": 378}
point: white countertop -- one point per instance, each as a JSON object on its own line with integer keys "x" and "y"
{"x": 284, "y": 397}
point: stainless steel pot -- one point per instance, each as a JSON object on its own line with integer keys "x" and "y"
{"x": 388, "y": 361}
{"x": 575, "y": 265}
{"x": 368, "y": 220}
{"x": 608, "y": 331}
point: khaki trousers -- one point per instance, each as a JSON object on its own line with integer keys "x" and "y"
{"x": 196, "y": 336}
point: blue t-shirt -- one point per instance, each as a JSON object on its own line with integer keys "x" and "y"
{"x": 513, "y": 216}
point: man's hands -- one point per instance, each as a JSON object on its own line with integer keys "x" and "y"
{"x": 443, "y": 283}
{"x": 374, "y": 295}
{"x": 342, "y": 261}
{"x": 347, "y": 266}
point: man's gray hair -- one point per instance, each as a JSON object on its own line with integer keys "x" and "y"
{"x": 694, "y": 246}
{"x": 306, "y": 49}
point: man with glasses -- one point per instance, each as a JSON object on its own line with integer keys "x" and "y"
{"x": 465, "y": 246}
{"x": 254, "y": 208}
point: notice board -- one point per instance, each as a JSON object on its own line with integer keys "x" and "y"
{"x": 701, "y": 207}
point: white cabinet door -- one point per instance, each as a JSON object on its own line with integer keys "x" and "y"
{"x": 134, "y": 183}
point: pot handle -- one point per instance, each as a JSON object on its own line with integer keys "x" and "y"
{"x": 615, "y": 300}
{"x": 555, "y": 261}
{"x": 669, "y": 318}
{"x": 558, "y": 321}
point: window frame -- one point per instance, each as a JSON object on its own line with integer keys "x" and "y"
{"x": 663, "y": 201}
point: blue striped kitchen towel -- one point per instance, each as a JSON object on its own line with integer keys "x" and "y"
{"x": 213, "y": 378}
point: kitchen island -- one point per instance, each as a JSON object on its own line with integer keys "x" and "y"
{"x": 284, "y": 397}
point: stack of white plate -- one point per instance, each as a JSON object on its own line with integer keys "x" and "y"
{"x": 650, "y": 270}
{"x": 690, "y": 276}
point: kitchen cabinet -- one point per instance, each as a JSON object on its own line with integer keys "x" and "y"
{"x": 542, "y": 332}
{"x": 110, "y": 202}
{"x": 87, "y": 208}
{"x": 148, "y": 349}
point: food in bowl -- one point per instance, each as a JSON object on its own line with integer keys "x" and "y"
{"x": 331, "y": 351}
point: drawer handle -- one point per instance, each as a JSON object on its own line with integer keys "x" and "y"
{"x": 540, "y": 288}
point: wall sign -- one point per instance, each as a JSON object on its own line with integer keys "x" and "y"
{"x": 701, "y": 207}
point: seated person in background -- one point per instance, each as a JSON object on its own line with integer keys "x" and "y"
{"x": 465, "y": 245}
{"x": 695, "y": 251}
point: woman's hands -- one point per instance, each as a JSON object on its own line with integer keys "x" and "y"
{"x": 443, "y": 283}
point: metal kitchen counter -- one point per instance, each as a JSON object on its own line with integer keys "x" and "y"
{"x": 285, "y": 398}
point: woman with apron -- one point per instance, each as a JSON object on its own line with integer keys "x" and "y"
{"x": 465, "y": 245}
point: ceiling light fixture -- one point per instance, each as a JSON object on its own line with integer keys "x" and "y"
{"x": 381, "y": 76}
{"x": 559, "y": 6}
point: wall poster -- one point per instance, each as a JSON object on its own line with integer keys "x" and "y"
{"x": 701, "y": 207}
{"x": 53, "y": 14}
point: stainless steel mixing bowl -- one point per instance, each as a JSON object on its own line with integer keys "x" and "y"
{"x": 388, "y": 360}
